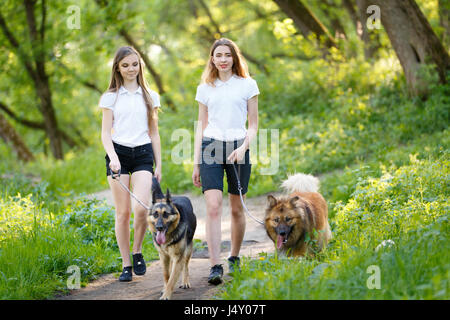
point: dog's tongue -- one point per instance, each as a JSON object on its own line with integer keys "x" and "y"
{"x": 160, "y": 237}
{"x": 280, "y": 240}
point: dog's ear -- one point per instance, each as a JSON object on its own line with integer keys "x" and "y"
{"x": 168, "y": 199}
{"x": 293, "y": 201}
{"x": 154, "y": 197}
{"x": 272, "y": 201}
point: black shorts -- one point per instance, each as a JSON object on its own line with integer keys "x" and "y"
{"x": 132, "y": 159}
{"x": 214, "y": 163}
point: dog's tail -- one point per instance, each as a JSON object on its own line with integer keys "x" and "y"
{"x": 156, "y": 190}
{"x": 301, "y": 182}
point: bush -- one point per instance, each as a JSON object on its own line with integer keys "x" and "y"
{"x": 407, "y": 205}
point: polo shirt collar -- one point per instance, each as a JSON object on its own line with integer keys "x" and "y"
{"x": 219, "y": 83}
{"x": 123, "y": 90}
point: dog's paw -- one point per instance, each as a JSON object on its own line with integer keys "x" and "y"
{"x": 185, "y": 285}
{"x": 165, "y": 296}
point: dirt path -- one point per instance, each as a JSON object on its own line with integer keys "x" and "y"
{"x": 149, "y": 286}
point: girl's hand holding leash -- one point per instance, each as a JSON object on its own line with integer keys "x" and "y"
{"x": 114, "y": 164}
{"x": 158, "y": 174}
{"x": 237, "y": 155}
{"x": 196, "y": 176}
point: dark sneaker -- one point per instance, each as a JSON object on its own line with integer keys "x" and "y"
{"x": 234, "y": 264}
{"x": 139, "y": 266}
{"x": 216, "y": 274}
{"x": 126, "y": 274}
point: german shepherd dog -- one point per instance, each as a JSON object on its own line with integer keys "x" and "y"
{"x": 172, "y": 222}
{"x": 296, "y": 222}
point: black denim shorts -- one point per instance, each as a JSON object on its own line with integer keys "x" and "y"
{"x": 214, "y": 163}
{"x": 132, "y": 159}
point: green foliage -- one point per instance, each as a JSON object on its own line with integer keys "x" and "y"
{"x": 42, "y": 234}
{"x": 399, "y": 201}
{"x": 407, "y": 205}
{"x": 92, "y": 221}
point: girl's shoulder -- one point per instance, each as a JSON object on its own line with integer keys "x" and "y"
{"x": 155, "y": 98}
{"x": 153, "y": 93}
{"x": 109, "y": 93}
{"x": 248, "y": 82}
{"x": 107, "y": 99}
{"x": 203, "y": 86}
{"x": 247, "y": 79}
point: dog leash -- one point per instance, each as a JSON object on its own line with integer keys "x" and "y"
{"x": 117, "y": 175}
{"x": 242, "y": 198}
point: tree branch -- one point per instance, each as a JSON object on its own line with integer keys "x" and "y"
{"x": 15, "y": 44}
{"x": 41, "y": 126}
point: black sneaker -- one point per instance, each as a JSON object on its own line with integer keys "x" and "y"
{"x": 139, "y": 266}
{"x": 216, "y": 274}
{"x": 234, "y": 264}
{"x": 126, "y": 274}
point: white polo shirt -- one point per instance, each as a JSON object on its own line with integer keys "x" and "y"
{"x": 227, "y": 107}
{"x": 130, "y": 125}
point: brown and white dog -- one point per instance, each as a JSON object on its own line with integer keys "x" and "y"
{"x": 296, "y": 222}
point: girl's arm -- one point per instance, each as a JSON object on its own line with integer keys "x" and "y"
{"x": 201, "y": 125}
{"x": 107, "y": 122}
{"x": 252, "y": 114}
{"x": 153, "y": 132}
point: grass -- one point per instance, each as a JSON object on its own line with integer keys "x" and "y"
{"x": 38, "y": 244}
{"x": 407, "y": 205}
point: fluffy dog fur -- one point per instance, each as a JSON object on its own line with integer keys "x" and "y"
{"x": 173, "y": 224}
{"x": 295, "y": 221}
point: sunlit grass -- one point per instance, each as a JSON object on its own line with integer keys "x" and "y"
{"x": 408, "y": 206}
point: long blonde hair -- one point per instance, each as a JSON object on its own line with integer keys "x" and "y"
{"x": 240, "y": 68}
{"x": 117, "y": 80}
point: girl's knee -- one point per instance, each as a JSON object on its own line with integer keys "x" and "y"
{"x": 214, "y": 210}
{"x": 123, "y": 216}
{"x": 237, "y": 212}
{"x": 140, "y": 217}
{"x": 140, "y": 212}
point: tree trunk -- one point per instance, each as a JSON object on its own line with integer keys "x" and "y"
{"x": 444, "y": 19}
{"x": 13, "y": 139}
{"x": 40, "y": 78}
{"x": 414, "y": 42}
{"x": 371, "y": 39}
{"x": 305, "y": 21}
{"x": 48, "y": 112}
{"x": 35, "y": 67}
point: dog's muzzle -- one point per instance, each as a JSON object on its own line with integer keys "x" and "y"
{"x": 283, "y": 232}
{"x": 160, "y": 232}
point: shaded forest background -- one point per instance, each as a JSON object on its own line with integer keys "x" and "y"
{"x": 57, "y": 55}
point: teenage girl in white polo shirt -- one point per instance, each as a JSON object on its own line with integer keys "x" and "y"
{"x": 227, "y": 98}
{"x": 132, "y": 143}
